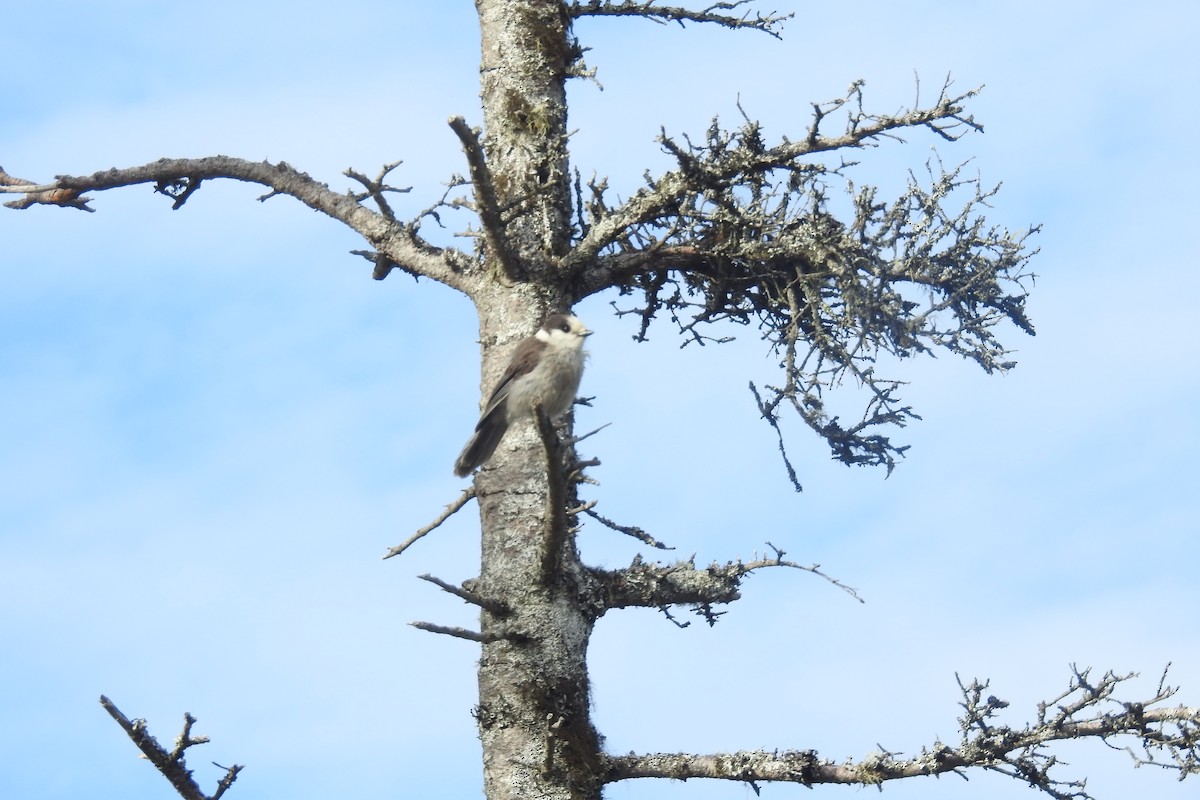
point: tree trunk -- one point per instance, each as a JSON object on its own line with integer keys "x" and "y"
{"x": 533, "y": 715}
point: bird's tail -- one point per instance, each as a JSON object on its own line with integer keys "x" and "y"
{"x": 479, "y": 449}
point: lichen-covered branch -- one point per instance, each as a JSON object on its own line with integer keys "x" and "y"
{"x": 179, "y": 178}
{"x": 741, "y": 159}
{"x": 749, "y": 233}
{"x": 715, "y": 12}
{"x": 1168, "y": 737}
{"x": 171, "y": 764}
{"x": 653, "y": 585}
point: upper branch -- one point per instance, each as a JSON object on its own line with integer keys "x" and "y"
{"x": 745, "y": 232}
{"x": 1079, "y": 713}
{"x": 740, "y": 158}
{"x": 767, "y": 23}
{"x": 179, "y": 178}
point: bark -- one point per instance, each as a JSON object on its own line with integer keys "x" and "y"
{"x": 533, "y": 715}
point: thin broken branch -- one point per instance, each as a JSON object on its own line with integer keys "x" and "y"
{"x": 463, "y": 593}
{"x": 451, "y": 630}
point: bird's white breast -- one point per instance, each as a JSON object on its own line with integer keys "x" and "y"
{"x": 554, "y": 382}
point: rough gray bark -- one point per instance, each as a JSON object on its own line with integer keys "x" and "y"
{"x": 533, "y": 715}
{"x": 739, "y": 231}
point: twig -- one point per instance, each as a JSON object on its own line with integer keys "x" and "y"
{"x": 376, "y": 188}
{"x": 778, "y": 561}
{"x": 493, "y": 606}
{"x": 459, "y": 633}
{"x": 445, "y": 515}
{"x": 582, "y": 508}
{"x": 577, "y": 439}
{"x": 628, "y": 530}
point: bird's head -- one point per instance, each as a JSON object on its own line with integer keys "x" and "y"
{"x": 562, "y": 330}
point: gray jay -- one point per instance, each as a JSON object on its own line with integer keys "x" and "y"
{"x": 545, "y": 368}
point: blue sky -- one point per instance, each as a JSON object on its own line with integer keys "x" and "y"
{"x": 213, "y": 422}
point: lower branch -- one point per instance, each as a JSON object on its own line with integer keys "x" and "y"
{"x": 986, "y": 744}
{"x": 171, "y": 764}
{"x": 451, "y": 509}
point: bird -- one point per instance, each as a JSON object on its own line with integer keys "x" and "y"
{"x": 545, "y": 369}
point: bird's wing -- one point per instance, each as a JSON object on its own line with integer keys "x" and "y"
{"x": 524, "y": 359}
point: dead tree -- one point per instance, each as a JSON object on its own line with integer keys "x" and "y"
{"x": 770, "y": 234}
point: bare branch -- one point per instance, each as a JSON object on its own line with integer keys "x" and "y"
{"x": 377, "y": 188}
{"x": 768, "y": 413}
{"x": 494, "y": 606}
{"x": 449, "y": 511}
{"x": 649, "y": 9}
{"x": 580, "y": 437}
{"x": 179, "y": 178}
{"x": 629, "y": 530}
{"x": 1078, "y": 714}
{"x": 172, "y": 765}
{"x": 456, "y": 632}
{"x": 487, "y": 202}
{"x": 582, "y": 508}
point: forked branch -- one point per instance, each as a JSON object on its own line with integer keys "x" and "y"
{"x": 171, "y": 764}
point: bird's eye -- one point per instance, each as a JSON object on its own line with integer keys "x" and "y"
{"x": 564, "y": 327}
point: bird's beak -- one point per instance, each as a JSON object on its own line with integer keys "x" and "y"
{"x": 585, "y": 333}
